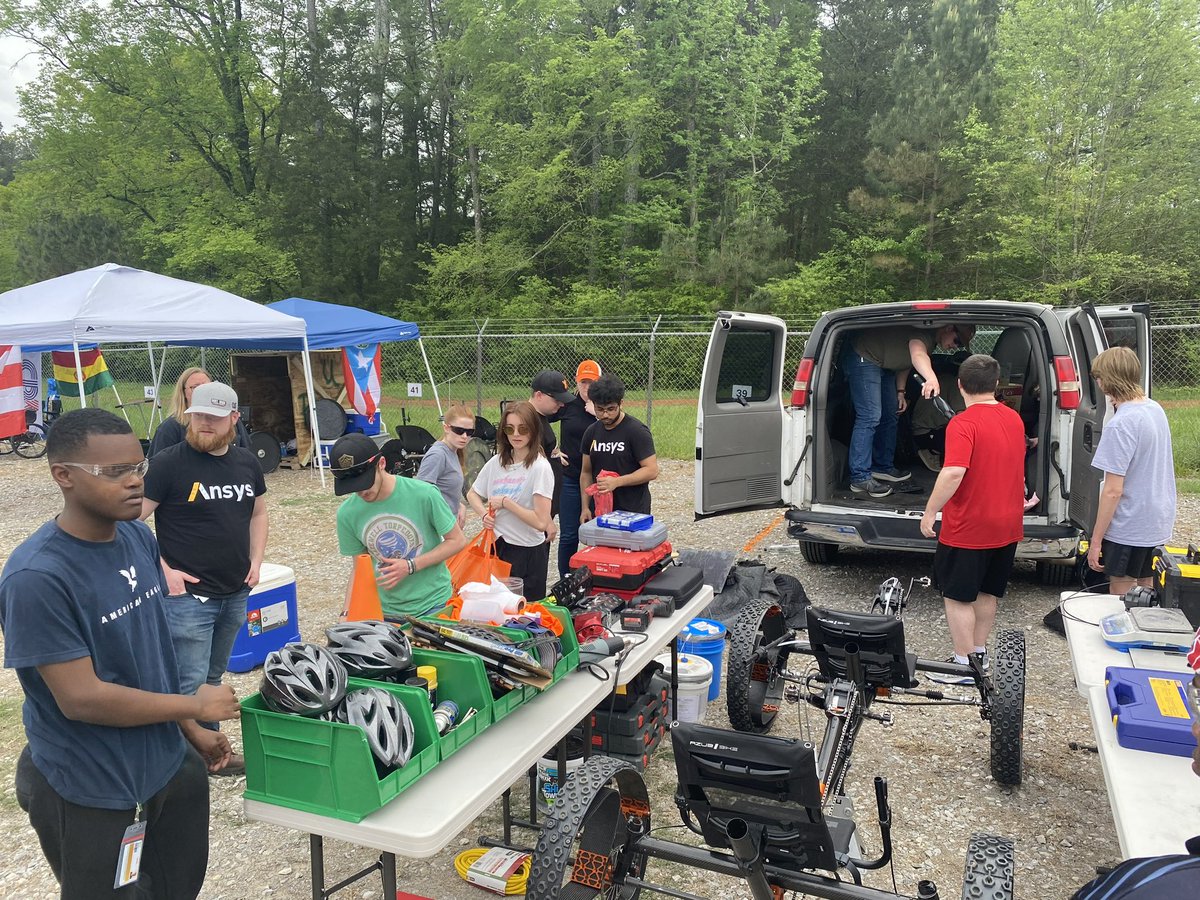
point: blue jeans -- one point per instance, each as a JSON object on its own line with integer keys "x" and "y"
{"x": 873, "y": 392}
{"x": 570, "y": 508}
{"x": 203, "y": 634}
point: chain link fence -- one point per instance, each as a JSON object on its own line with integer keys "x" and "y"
{"x": 659, "y": 359}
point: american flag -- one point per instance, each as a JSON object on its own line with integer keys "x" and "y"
{"x": 361, "y": 365}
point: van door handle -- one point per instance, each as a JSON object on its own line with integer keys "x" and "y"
{"x": 1062, "y": 478}
{"x": 1087, "y": 437}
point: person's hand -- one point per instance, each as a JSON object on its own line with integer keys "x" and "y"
{"x": 217, "y": 703}
{"x": 177, "y": 581}
{"x": 931, "y": 388}
{"x": 585, "y": 515}
{"x": 606, "y": 484}
{"x": 213, "y": 746}
{"x": 253, "y": 575}
{"x": 392, "y": 571}
{"x": 901, "y": 402}
{"x": 927, "y": 523}
{"x": 552, "y": 531}
{"x": 1093, "y": 557}
{"x": 1196, "y": 755}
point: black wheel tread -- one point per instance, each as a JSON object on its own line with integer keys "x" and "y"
{"x": 744, "y": 638}
{"x": 818, "y": 553}
{"x": 1008, "y": 706}
{"x": 988, "y": 874}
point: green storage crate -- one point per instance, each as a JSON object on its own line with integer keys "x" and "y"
{"x": 569, "y": 659}
{"x": 460, "y": 678}
{"x": 326, "y": 767}
{"x": 515, "y": 698}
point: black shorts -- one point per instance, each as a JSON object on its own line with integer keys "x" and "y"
{"x": 1123, "y": 561}
{"x": 962, "y": 574}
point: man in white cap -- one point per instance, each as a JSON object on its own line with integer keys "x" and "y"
{"x": 211, "y": 520}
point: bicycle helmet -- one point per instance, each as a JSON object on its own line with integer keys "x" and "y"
{"x": 382, "y": 716}
{"x": 302, "y": 678}
{"x": 370, "y": 649}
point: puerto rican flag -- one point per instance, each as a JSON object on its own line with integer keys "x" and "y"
{"x": 360, "y": 365}
{"x": 12, "y": 392}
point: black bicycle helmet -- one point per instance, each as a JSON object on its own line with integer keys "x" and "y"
{"x": 370, "y": 649}
{"x": 388, "y": 727}
{"x": 302, "y": 678}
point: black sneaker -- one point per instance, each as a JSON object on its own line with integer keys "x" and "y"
{"x": 870, "y": 486}
{"x": 893, "y": 475}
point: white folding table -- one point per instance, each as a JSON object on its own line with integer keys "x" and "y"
{"x": 430, "y": 813}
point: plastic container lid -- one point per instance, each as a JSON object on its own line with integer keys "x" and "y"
{"x": 698, "y": 631}
{"x": 690, "y": 669}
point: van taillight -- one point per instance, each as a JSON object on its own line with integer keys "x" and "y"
{"x": 1068, "y": 382}
{"x": 800, "y": 388}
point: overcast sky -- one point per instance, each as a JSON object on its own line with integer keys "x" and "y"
{"x": 14, "y": 72}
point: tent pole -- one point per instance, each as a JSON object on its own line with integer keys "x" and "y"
{"x": 79, "y": 376}
{"x": 154, "y": 378}
{"x": 429, "y": 372}
{"x": 312, "y": 412}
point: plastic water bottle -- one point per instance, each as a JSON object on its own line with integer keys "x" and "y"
{"x": 445, "y": 715}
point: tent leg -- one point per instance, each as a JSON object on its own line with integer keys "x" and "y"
{"x": 314, "y": 427}
{"x": 432, "y": 383}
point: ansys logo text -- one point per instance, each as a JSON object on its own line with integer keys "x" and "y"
{"x": 220, "y": 491}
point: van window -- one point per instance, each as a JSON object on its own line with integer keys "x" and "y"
{"x": 1087, "y": 385}
{"x": 1121, "y": 332}
{"x": 747, "y": 367}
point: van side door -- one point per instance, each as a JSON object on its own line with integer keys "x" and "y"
{"x": 740, "y": 415}
{"x": 1086, "y": 340}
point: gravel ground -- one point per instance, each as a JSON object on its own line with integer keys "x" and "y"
{"x": 936, "y": 759}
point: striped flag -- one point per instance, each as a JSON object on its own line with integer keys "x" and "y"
{"x": 95, "y": 371}
{"x": 360, "y": 366}
{"x": 12, "y": 392}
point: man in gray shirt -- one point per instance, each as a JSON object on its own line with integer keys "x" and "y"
{"x": 1137, "y": 501}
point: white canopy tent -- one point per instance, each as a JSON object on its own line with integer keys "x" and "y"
{"x": 119, "y": 304}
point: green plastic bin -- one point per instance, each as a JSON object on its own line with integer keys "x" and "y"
{"x": 460, "y": 678}
{"x": 515, "y": 698}
{"x": 326, "y": 767}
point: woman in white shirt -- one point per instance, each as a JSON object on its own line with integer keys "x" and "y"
{"x": 512, "y": 495}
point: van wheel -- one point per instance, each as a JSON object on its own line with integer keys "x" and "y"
{"x": 1054, "y": 574}
{"x": 821, "y": 554}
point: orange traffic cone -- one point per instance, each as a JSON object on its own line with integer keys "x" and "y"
{"x": 364, "y": 594}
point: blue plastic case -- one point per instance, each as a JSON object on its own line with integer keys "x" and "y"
{"x": 1150, "y": 710}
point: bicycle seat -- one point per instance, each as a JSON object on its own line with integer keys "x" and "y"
{"x": 878, "y": 640}
{"x": 764, "y": 780}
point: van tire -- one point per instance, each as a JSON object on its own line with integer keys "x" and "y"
{"x": 818, "y": 553}
{"x": 1053, "y": 574}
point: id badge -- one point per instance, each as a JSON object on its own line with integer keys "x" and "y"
{"x": 129, "y": 861}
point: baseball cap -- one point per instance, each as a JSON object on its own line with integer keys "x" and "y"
{"x": 352, "y": 461}
{"x": 554, "y": 384}
{"x": 214, "y": 399}
{"x": 589, "y": 370}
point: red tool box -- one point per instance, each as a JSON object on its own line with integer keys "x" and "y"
{"x": 625, "y": 570}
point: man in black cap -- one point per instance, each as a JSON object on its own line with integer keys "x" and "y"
{"x": 404, "y": 524}
{"x": 550, "y": 392}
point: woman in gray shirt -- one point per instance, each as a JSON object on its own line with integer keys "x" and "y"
{"x": 445, "y": 461}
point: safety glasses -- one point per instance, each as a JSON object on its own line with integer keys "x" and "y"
{"x": 459, "y": 429}
{"x": 516, "y": 429}
{"x": 118, "y": 472}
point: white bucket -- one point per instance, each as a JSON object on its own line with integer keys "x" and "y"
{"x": 547, "y": 772}
{"x": 695, "y": 676}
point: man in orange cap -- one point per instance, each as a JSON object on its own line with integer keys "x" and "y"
{"x": 575, "y": 419}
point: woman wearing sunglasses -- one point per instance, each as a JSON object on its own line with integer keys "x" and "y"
{"x": 512, "y": 495}
{"x": 445, "y": 461}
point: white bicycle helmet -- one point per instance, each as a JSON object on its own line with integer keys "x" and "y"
{"x": 370, "y": 649}
{"x": 305, "y": 679}
{"x": 388, "y": 727}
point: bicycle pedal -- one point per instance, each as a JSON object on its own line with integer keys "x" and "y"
{"x": 791, "y": 693}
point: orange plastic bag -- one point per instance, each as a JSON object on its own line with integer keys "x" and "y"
{"x": 477, "y": 561}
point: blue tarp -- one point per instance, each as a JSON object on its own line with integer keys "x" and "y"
{"x": 330, "y": 326}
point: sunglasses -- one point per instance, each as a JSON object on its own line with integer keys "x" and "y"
{"x": 459, "y": 429}
{"x": 117, "y": 472}
{"x": 516, "y": 429}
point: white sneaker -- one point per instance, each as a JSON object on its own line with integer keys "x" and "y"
{"x": 946, "y": 678}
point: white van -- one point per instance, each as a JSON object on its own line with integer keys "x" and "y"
{"x": 759, "y": 446}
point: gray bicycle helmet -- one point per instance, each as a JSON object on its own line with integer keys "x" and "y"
{"x": 370, "y": 649}
{"x": 382, "y": 716}
{"x": 302, "y": 678}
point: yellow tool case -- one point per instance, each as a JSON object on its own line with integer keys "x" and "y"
{"x": 1177, "y": 580}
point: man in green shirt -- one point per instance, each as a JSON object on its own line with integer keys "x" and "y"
{"x": 404, "y": 524}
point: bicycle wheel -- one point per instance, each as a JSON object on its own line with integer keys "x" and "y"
{"x": 6, "y": 446}
{"x": 753, "y": 688}
{"x": 31, "y": 444}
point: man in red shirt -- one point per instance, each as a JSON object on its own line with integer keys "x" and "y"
{"x": 980, "y": 493}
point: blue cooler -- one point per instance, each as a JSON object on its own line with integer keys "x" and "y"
{"x": 705, "y": 638}
{"x": 356, "y": 422}
{"x": 271, "y": 619}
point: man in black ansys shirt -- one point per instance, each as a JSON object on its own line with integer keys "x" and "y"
{"x": 211, "y": 520}
{"x": 619, "y": 443}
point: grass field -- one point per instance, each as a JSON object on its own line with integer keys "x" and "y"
{"x": 674, "y": 417}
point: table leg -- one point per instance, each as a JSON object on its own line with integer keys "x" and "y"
{"x": 387, "y": 864}
{"x": 506, "y": 806}
{"x": 533, "y": 795}
{"x": 316, "y": 852}
{"x": 674, "y": 678}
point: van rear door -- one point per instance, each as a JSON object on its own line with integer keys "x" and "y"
{"x": 1086, "y": 339}
{"x": 1129, "y": 326}
{"x": 740, "y": 416}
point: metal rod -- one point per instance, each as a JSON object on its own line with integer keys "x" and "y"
{"x": 316, "y": 861}
{"x": 747, "y": 849}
